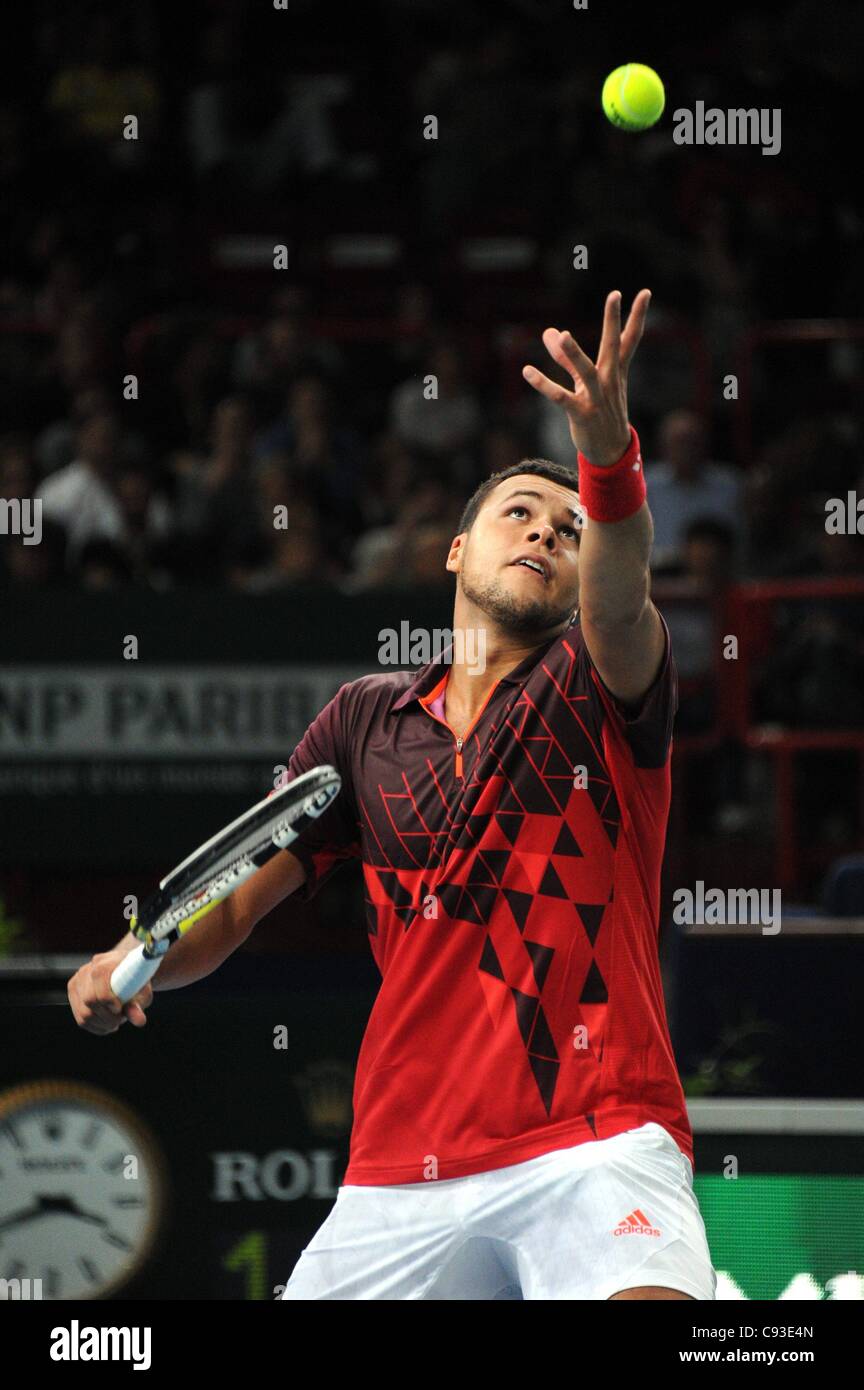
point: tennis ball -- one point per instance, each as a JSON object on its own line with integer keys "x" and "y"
{"x": 633, "y": 97}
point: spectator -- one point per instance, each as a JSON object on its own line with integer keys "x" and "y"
{"x": 281, "y": 556}
{"x": 709, "y": 555}
{"x": 197, "y": 384}
{"x": 55, "y": 445}
{"x": 83, "y": 497}
{"x": 326, "y": 455}
{"x": 391, "y": 475}
{"x": 267, "y": 360}
{"x": 441, "y": 427}
{"x": 839, "y": 555}
{"x": 213, "y": 491}
{"x": 415, "y": 321}
{"x": 147, "y": 519}
{"x": 553, "y": 431}
{"x": 706, "y": 570}
{"x": 502, "y": 446}
{"x": 36, "y": 566}
{"x": 296, "y": 556}
{"x": 80, "y": 356}
{"x": 17, "y": 471}
{"x": 814, "y": 676}
{"x": 384, "y": 557}
{"x": 430, "y": 546}
{"x": 103, "y": 565}
{"x": 684, "y": 486}
{"x": 716, "y": 776}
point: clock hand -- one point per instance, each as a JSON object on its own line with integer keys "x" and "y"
{"x": 70, "y": 1206}
{"x": 26, "y": 1215}
{"x": 45, "y": 1206}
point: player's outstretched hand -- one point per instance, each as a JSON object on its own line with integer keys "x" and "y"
{"x": 95, "y": 1005}
{"x": 596, "y": 407}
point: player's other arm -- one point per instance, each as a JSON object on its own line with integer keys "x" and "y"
{"x": 94, "y": 1004}
{"x": 200, "y": 953}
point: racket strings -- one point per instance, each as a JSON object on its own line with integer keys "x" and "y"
{"x": 219, "y": 884}
{"x": 210, "y": 875}
{"x": 226, "y": 875}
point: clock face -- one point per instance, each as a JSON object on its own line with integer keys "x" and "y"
{"x": 81, "y": 1191}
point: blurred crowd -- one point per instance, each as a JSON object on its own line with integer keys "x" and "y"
{"x": 273, "y": 448}
{"x": 189, "y": 416}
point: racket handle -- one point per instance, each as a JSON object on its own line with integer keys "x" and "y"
{"x": 132, "y": 973}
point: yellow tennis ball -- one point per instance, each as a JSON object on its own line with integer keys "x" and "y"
{"x": 633, "y": 97}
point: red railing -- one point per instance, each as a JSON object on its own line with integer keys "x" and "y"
{"x": 750, "y": 616}
{"x": 746, "y": 610}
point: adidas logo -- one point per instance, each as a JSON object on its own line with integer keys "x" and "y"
{"x": 636, "y": 1224}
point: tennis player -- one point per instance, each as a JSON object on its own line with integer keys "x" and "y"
{"x": 519, "y": 1127}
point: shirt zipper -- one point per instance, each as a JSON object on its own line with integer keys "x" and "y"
{"x": 460, "y": 773}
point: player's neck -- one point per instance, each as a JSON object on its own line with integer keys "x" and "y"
{"x": 482, "y": 654}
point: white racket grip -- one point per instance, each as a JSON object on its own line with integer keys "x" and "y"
{"x": 132, "y": 973}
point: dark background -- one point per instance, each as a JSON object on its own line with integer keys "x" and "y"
{"x": 259, "y": 387}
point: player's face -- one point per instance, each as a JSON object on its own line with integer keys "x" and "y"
{"x": 525, "y": 517}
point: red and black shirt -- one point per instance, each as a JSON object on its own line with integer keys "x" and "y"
{"x": 512, "y": 886}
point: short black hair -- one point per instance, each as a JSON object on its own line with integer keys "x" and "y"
{"x": 543, "y": 468}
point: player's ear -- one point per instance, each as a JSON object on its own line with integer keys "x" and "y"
{"x": 456, "y": 548}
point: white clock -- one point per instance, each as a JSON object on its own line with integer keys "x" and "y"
{"x": 82, "y": 1191}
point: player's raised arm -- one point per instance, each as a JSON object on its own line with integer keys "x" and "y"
{"x": 621, "y": 627}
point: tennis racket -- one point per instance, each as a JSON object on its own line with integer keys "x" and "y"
{"x": 212, "y": 873}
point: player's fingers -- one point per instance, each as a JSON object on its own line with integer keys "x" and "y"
{"x": 550, "y": 389}
{"x": 635, "y": 326}
{"x": 107, "y": 1018}
{"x": 86, "y": 1001}
{"x": 610, "y": 341}
{"x": 134, "y": 1009}
{"x": 564, "y": 349}
{"x": 105, "y": 1000}
{"x": 94, "y": 1021}
{"x": 103, "y": 1004}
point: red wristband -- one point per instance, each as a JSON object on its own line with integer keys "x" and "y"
{"x": 612, "y": 494}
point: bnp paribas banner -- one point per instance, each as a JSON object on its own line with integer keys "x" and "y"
{"x": 51, "y": 715}
{"x": 109, "y": 748}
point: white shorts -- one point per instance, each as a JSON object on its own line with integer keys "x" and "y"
{"x": 578, "y": 1223}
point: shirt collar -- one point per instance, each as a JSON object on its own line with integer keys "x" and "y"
{"x": 429, "y": 675}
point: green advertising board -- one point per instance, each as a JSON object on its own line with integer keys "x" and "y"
{"x": 783, "y": 1236}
